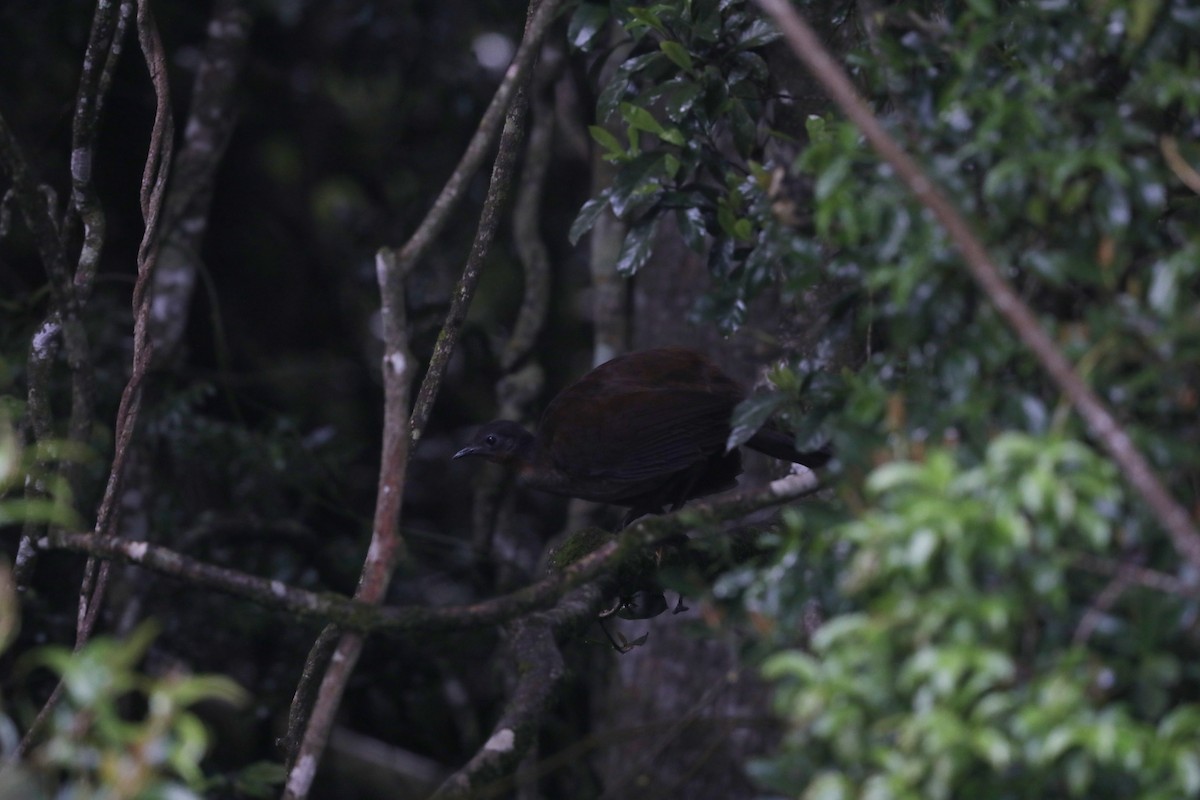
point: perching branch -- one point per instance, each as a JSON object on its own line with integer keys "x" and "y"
{"x": 1099, "y": 419}
{"x": 329, "y": 607}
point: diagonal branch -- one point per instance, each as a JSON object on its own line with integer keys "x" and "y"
{"x": 332, "y": 608}
{"x": 539, "y": 671}
{"x": 1100, "y": 420}
{"x": 541, "y": 15}
{"x": 511, "y": 92}
{"x": 387, "y": 546}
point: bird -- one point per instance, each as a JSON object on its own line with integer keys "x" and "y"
{"x": 647, "y": 430}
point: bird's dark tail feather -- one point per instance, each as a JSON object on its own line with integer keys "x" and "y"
{"x": 777, "y": 444}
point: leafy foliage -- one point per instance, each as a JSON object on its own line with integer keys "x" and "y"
{"x": 978, "y": 638}
{"x": 98, "y": 743}
{"x": 52, "y": 503}
{"x": 954, "y": 670}
{"x": 681, "y": 118}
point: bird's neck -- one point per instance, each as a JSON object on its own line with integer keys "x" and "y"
{"x": 523, "y": 450}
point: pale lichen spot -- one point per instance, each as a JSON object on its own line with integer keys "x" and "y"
{"x": 43, "y": 338}
{"x": 501, "y": 741}
{"x": 81, "y": 164}
{"x": 397, "y": 362}
{"x": 302, "y": 775}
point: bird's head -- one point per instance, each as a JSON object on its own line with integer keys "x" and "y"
{"x": 501, "y": 441}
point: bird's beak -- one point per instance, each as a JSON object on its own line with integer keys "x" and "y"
{"x": 467, "y": 451}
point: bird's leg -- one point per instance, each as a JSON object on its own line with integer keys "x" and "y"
{"x": 624, "y": 646}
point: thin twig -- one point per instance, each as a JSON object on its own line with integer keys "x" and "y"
{"x": 489, "y": 125}
{"x": 1100, "y": 421}
{"x": 306, "y": 691}
{"x": 541, "y": 12}
{"x": 1136, "y": 575}
{"x": 1186, "y": 173}
{"x": 154, "y": 182}
{"x": 527, "y": 214}
{"x": 1101, "y": 606}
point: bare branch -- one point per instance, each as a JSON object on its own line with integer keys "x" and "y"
{"x": 109, "y": 25}
{"x": 1187, "y": 174}
{"x": 306, "y": 691}
{"x": 489, "y": 219}
{"x": 532, "y": 646}
{"x": 1100, "y": 421}
{"x": 527, "y": 214}
{"x": 1136, "y": 575}
{"x": 154, "y": 181}
{"x": 207, "y": 131}
{"x": 535, "y": 30}
{"x": 387, "y": 546}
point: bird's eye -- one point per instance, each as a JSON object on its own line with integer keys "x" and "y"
{"x": 490, "y": 440}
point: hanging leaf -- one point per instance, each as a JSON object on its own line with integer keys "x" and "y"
{"x": 585, "y": 220}
{"x": 614, "y": 149}
{"x": 587, "y": 21}
{"x": 750, "y": 415}
{"x": 678, "y": 54}
{"x": 637, "y": 184}
{"x": 638, "y": 245}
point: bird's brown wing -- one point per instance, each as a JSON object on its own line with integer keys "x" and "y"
{"x": 636, "y": 436}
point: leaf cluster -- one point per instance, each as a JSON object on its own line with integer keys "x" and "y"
{"x": 121, "y": 733}
{"x": 951, "y": 672}
{"x": 682, "y": 118}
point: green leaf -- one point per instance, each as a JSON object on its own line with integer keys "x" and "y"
{"x": 618, "y": 86}
{"x": 750, "y": 415}
{"x": 260, "y": 779}
{"x": 612, "y": 145}
{"x": 647, "y": 18}
{"x": 587, "y": 21}
{"x": 745, "y": 129}
{"x": 743, "y": 229}
{"x": 637, "y": 185}
{"x": 640, "y": 119}
{"x": 638, "y": 246}
{"x": 678, "y": 54}
{"x": 706, "y": 19}
{"x": 756, "y": 34}
{"x": 680, "y": 98}
{"x": 585, "y": 220}
{"x": 691, "y": 224}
